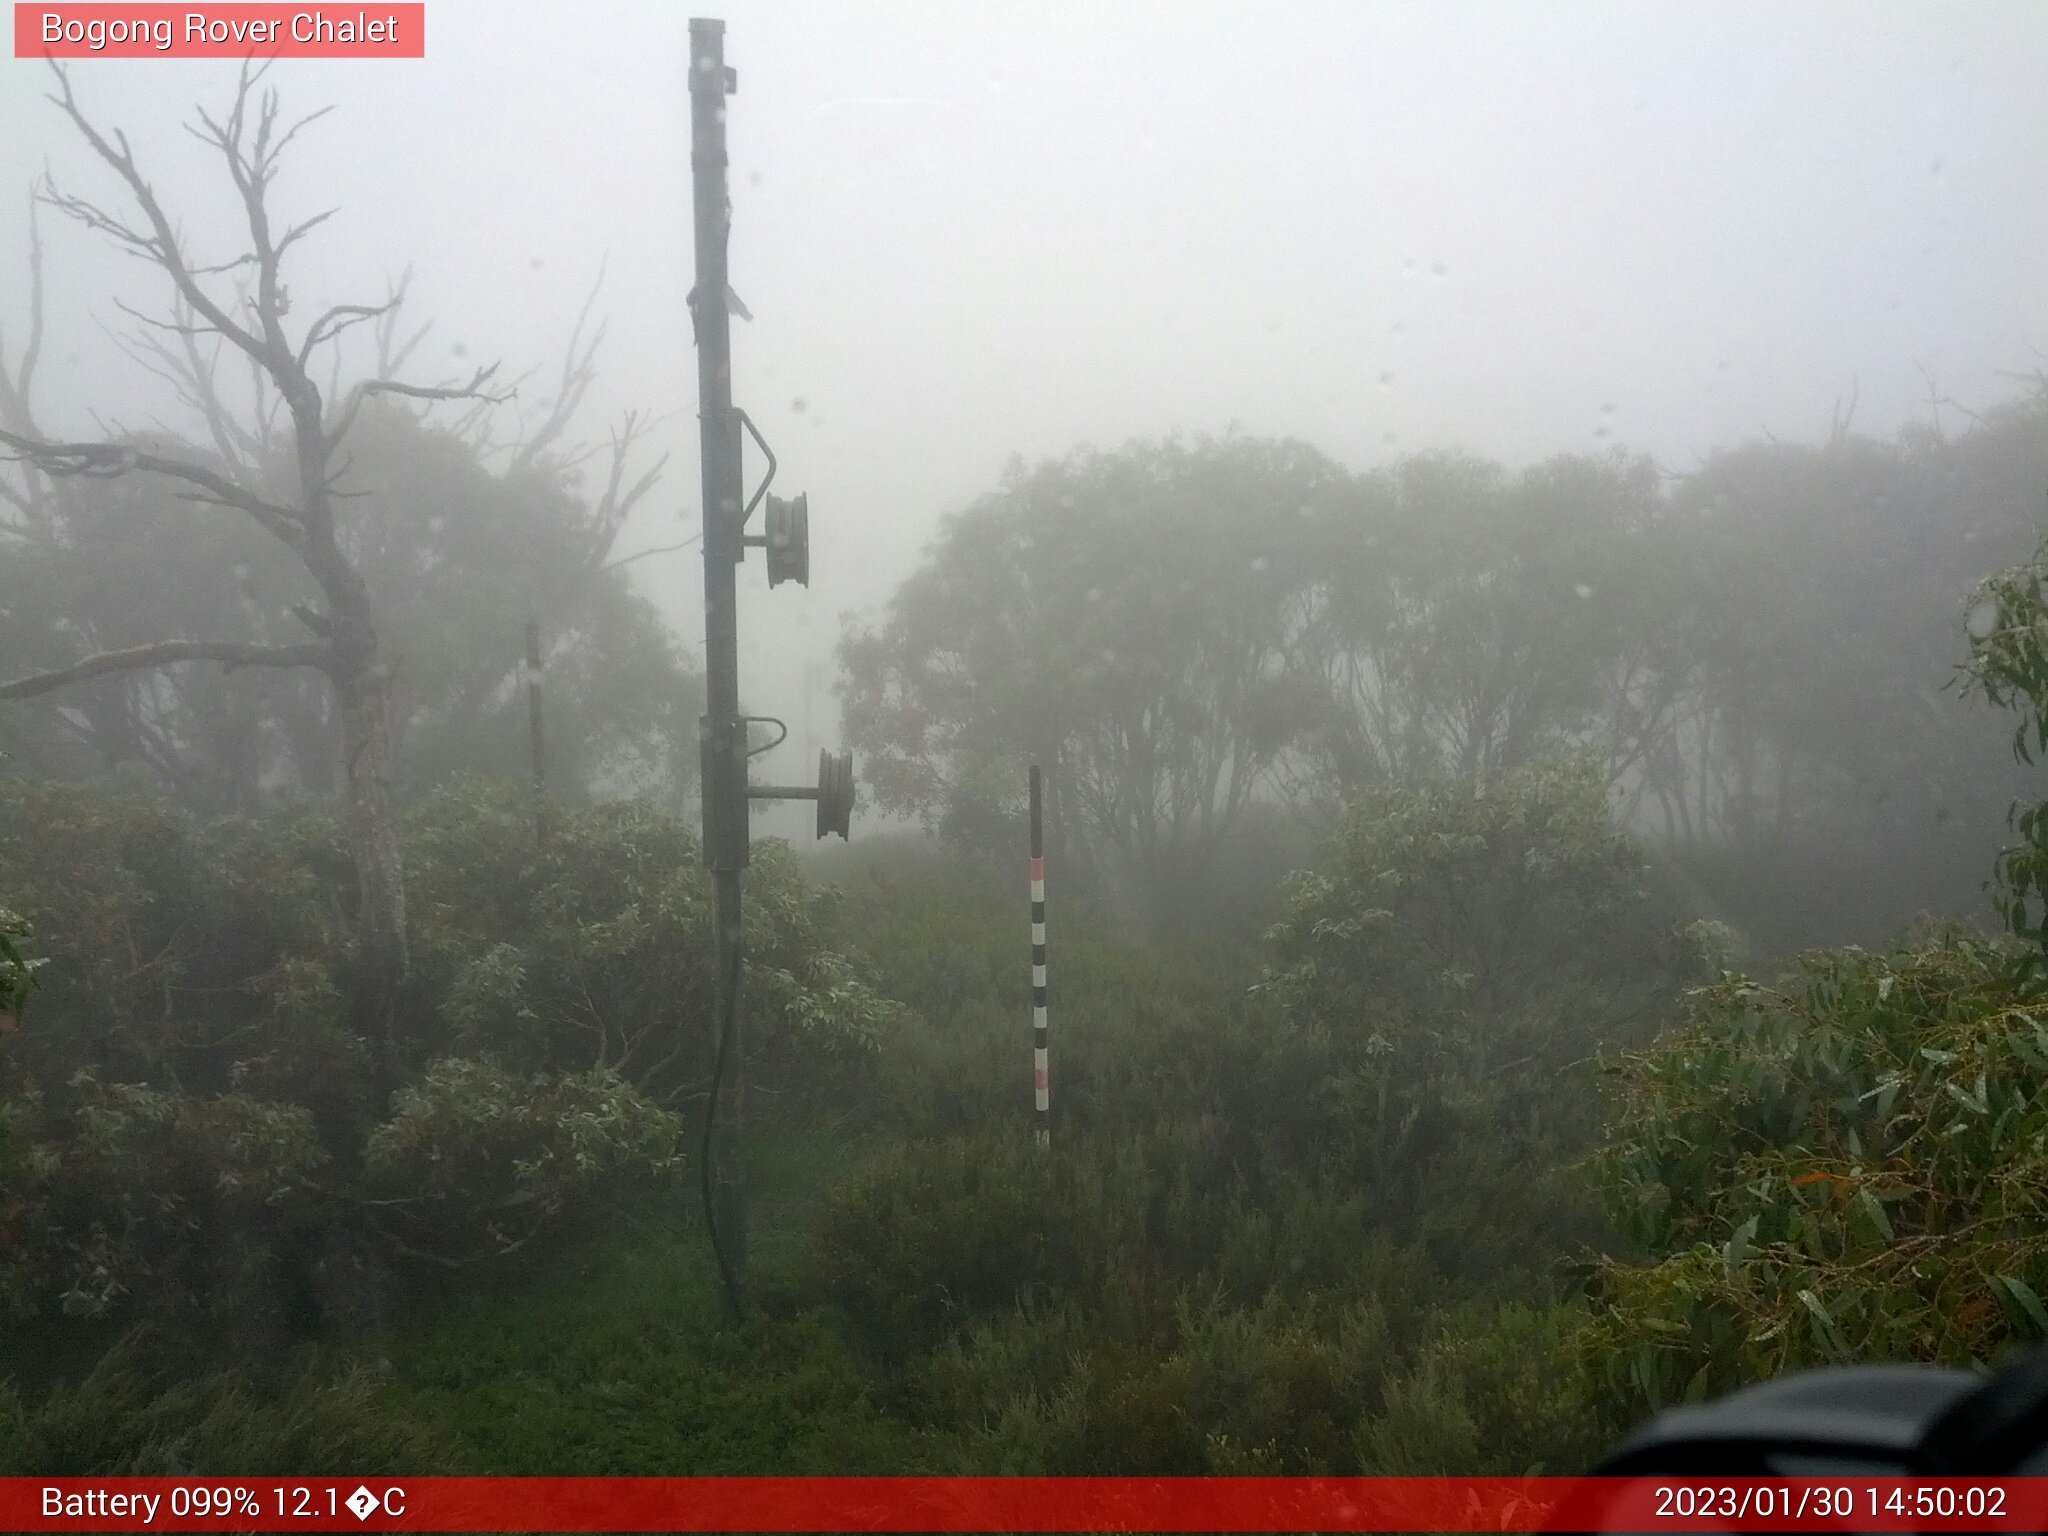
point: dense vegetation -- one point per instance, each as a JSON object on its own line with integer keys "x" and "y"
{"x": 1342, "y": 1195}
{"x": 1445, "y": 1070}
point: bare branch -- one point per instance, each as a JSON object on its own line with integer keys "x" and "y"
{"x": 642, "y": 554}
{"x": 473, "y": 390}
{"x": 1844, "y": 415}
{"x": 277, "y": 150}
{"x": 97, "y": 219}
{"x": 26, "y": 377}
{"x": 472, "y": 426}
{"x": 17, "y": 408}
{"x": 392, "y": 353}
{"x": 102, "y": 461}
{"x": 579, "y": 371}
{"x": 166, "y": 653}
{"x": 342, "y": 316}
{"x": 191, "y": 374}
{"x": 177, "y": 327}
{"x": 15, "y": 390}
{"x": 151, "y": 356}
{"x": 162, "y": 245}
{"x": 618, "y": 500}
{"x": 613, "y": 511}
{"x": 250, "y": 169}
{"x": 232, "y": 264}
{"x": 1936, "y": 400}
{"x": 236, "y": 442}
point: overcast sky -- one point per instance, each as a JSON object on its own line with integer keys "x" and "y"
{"x": 973, "y": 230}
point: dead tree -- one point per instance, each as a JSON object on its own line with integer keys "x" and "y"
{"x": 292, "y": 421}
{"x": 541, "y": 443}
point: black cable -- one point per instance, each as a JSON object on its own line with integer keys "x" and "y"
{"x": 727, "y": 1020}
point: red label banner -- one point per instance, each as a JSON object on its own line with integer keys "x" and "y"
{"x": 373, "y": 31}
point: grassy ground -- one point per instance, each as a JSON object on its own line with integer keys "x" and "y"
{"x": 620, "y": 1358}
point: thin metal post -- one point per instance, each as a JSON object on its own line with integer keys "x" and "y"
{"x": 1041, "y": 1062}
{"x": 724, "y": 734}
{"x": 537, "y": 727}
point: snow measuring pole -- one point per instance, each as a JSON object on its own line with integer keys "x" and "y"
{"x": 1041, "y": 1042}
{"x": 722, "y": 731}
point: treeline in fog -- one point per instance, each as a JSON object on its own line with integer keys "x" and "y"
{"x": 1212, "y": 643}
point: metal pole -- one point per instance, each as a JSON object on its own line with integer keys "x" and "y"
{"x": 723, "y": 732}
{"x": 1041, "y": 1063}
{"x": 539, "y": 734}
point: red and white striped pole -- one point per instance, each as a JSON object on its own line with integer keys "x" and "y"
{"x": 1041, "y": 1069}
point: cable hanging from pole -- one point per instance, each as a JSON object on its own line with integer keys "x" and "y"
{"x": 728, "y": 999}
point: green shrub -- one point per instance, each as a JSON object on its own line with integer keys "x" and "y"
{"x": 593, "y": 948}
{"x": 125, "y": 1199}
{"x": 1327, "y": 1382}
{"x": 2007, "y": 623}
{"x": 929, "y": 1233}
{"x": 17, "y": 971}
{"x": 1499, "y": 1391}
{"x": 1848, "y": 1165}
{"x": 125, "y": 1420}
{"x": 1275, "y": 1386}
{"x": 212, "y": 958}
{"x": 476, "y": 1162}
{"x": 1458, "y": 956}
{"x": 195, "y": 999}
{"x": 1457, "y": 898}
{"x": 1285, "y": 1380}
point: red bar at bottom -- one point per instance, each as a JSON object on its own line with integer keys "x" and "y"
{"x": 1019, "y": 1504}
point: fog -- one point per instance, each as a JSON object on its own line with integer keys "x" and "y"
{"x": 1508, "y": 543}
{"x": 968, "y": 232}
